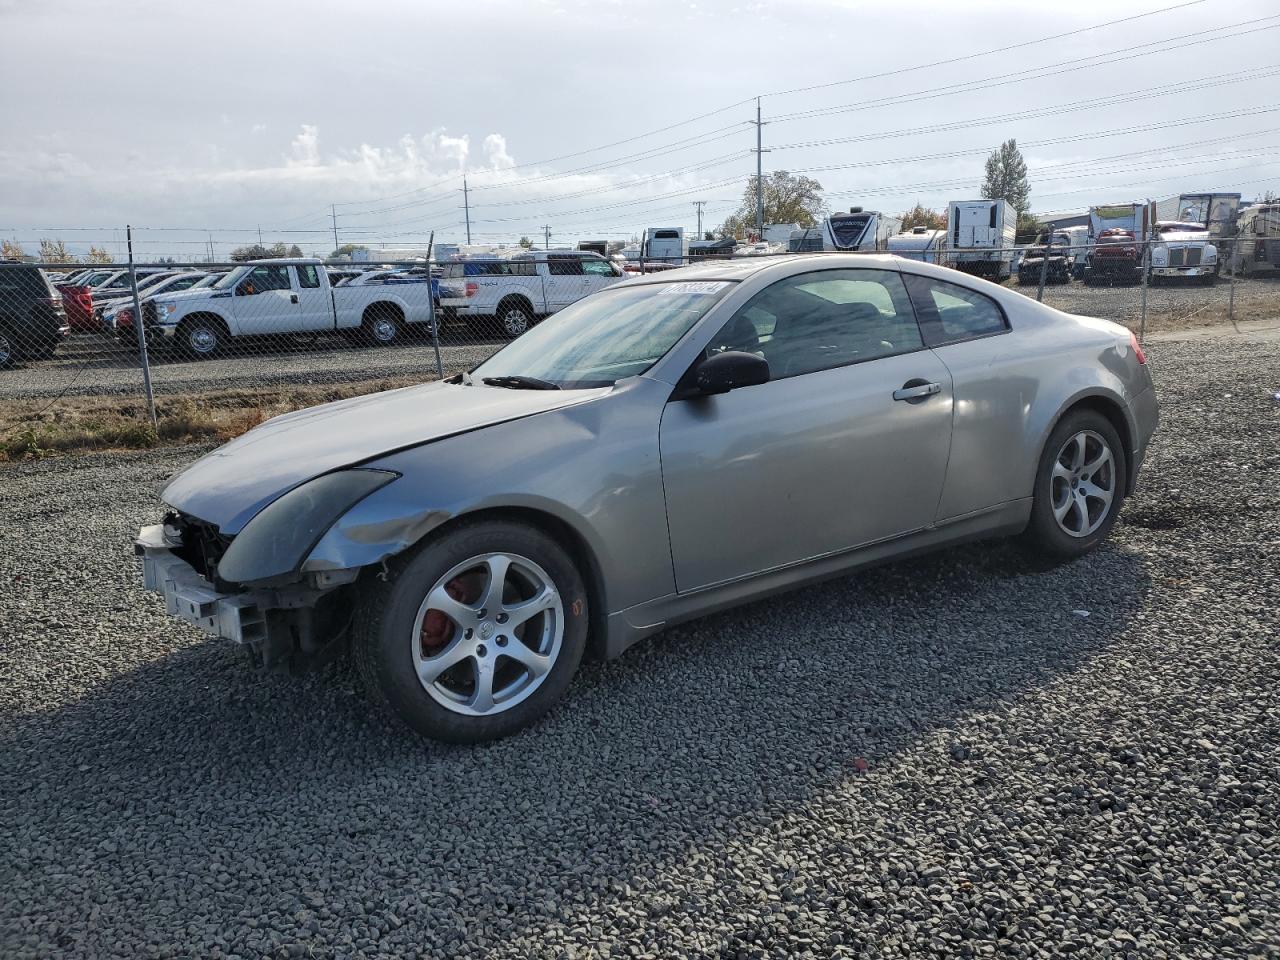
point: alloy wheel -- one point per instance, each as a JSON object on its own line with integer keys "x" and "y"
{"x": 1083, "y": 484}
{"x": 514, "y": 322}
{"x": 488, "y": 634}
{"x": 203, "y": 340}
{"x": 384, "y": 329}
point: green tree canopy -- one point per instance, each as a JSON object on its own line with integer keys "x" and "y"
{"x": 55, "y": 251}
{"x": 922, "y": 216}
{"x": 346, "y": 250}
{"x": 788, "y": 198}
{"x": 1006, "y": 177}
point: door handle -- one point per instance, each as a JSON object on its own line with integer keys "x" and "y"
{"x": 916, "y": 390}
{"x": 293, "y": 298}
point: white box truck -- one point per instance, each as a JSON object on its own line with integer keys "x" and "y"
{"x": 666, "y": 245}
{"x": 981, "y": 237}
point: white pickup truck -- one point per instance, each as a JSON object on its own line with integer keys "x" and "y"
{"x": 511, "y": 294}
{"x": 274, "y": 297}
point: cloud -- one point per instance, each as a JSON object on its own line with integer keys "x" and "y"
{"x": 305, "y": 149}
{"x": 495, "y": 151}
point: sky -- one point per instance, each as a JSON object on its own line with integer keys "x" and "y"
{"x": 205, "y": 124}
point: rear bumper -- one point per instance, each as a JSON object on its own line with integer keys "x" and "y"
{"x": 190, "y": 597}
{"x": 1146, "y": 417}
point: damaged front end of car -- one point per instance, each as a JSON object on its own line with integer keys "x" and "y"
{"x": 250, "y": 588}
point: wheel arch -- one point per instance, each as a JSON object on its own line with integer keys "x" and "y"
{"x": 1116, "y": 413}
{"x": 208, "y": 315}
{"x": 516, "y": 300}
{"x": 380, "y": 306}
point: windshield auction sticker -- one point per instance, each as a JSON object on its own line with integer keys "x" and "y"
{"x": 695, "y": 287}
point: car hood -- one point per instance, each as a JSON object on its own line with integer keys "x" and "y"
{"x": 172, "y": 295}
{"x": 230, "y": 485}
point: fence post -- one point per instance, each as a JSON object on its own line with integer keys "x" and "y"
{"x": 432, "y": 286}
{"x": 1044, "y": 263}
{"x": 1231, "y": 286}
{"x": 141, "y": 332}
{"x": 1146, "y": 253}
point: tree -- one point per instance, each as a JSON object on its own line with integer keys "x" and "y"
{"x": 295, "y": 251}
{"x": 55, "y": 251}
{"x": 788, "y": 198}
{"x": 346, "y": 250}
{"x": 258, "y": 252}
{"x": 526, "y": 243}
{"x": 1006, "y": 177}
{"x": 11, "y": 250}
{"x": 922, "y": 216}
{"x": 98, "y": 255}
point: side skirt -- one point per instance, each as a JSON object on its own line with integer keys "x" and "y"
{"x": 627, "y": 627}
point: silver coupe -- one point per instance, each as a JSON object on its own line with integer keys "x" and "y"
{"x": 668, "y": 447}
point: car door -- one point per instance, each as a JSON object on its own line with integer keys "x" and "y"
{"x": 264, "y": 301}
{"x": 597, "y": 274}
{"x": 565, "y": 282}
{"x": 996, "y": 380}
{"x": 314, "y": 305}
{"x": 846, "y": 445}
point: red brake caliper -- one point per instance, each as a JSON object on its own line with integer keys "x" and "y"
{"x": 437, "y": 628}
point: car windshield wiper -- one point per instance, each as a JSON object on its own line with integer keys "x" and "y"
{"x": 517, "y": 382}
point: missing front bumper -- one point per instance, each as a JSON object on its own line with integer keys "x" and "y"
{"x": 190, "y": 597}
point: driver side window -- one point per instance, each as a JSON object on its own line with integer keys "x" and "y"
{"x": 824, "y": 319}
{"x": 265, "y": 278}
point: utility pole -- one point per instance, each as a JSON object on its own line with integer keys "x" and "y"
{"x": 759, "y": 151}
{"x": 466, "y": 204}
{"x": 333, "y": 211}
{"x": 546, "y": 237}
{"x": 698, "y": 205}
{"x": 259, "y": 234}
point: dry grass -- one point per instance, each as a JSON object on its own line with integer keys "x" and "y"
{"x": 77, "y": 424}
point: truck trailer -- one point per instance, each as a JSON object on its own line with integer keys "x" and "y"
{"x": 981, "y": 237}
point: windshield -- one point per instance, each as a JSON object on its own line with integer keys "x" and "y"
{"x": 231, "y": 278}
{"x": 607, "y": 337}
{"x": 1180, "y": 228}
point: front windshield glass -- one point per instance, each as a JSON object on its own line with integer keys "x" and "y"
{"x": 231, "y": 278}
{"x": 605, "y": 338}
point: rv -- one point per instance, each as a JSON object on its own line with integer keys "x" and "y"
{"x": 981, "y": 234}
{"x": 666, "y": 244}
{"x": 919, "y": 243}
{"x": 858, "y": 230}
{"x": 808, "y": 240}
{"x": 595, "y": 246}
{"x": 1258, "y": 243}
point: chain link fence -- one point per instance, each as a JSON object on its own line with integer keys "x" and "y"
{"x": 119, "y": 355}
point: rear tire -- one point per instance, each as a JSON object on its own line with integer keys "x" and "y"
{"x": 8, "y": 349}
{"x": 461, "y": 676}
{"x": 1079, "y": 489}
{"x": 514, "y": 319}
{"x": 380, "y": 326}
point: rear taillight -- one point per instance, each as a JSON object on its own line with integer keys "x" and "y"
{"x": 1137, "y": 347}
{"x": 472, "y": 289}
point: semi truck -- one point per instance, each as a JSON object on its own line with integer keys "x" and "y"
{"x": 981, "y": 236}
{"x": 1117, "y": 232}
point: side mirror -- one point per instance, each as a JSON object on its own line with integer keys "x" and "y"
{"x": 727, "y": 371}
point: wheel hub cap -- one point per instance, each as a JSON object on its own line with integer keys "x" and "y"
{"x": 487, "y": 634}
{"x": 1082, "y": 484}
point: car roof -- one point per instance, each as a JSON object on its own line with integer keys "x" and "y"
{"x": 741, "y": 269}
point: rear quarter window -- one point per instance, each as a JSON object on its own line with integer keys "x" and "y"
{"x": 950, "y": 313}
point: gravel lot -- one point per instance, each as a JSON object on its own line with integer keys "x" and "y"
{"x": 939, "y": 758}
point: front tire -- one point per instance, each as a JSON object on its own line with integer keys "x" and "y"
{"x": 201, "y": 338}
{"x": 1080, "y": 484}
{"x": 476, "y": 635}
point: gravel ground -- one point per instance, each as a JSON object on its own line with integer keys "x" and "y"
{"x": 88, "y": 364}
{"x": 941, "y": 758}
